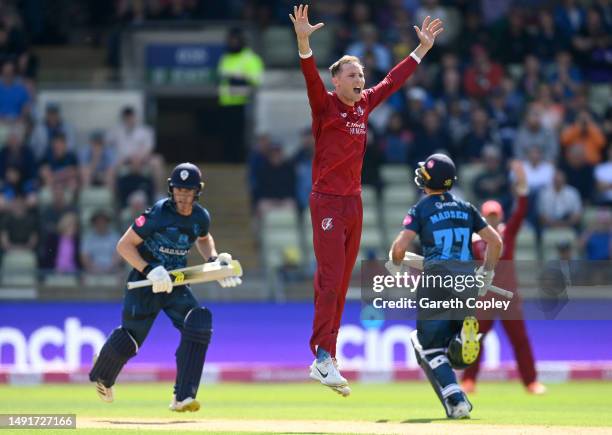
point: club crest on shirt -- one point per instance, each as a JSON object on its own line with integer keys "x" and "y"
{"x": 327, "y": 224}
{"x": 359, "y": 110}
{"x": 343, "y": 114}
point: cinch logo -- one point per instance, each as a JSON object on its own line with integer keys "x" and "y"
{"x": 327, "y": 224}
{"x": 28, "y": 352}
{"x": 382, "y": 349}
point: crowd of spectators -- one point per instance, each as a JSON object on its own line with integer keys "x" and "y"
{"x": 508, "y": 81}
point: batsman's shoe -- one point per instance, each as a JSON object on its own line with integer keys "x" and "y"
{"x": 327, "y": 373}
{"x": 189, "y": 404}
{"x": 536, "y": 388}
{"x": 460, "y": 410}
{"x": 470, "y": 343}
{"x": 104, "y": 393}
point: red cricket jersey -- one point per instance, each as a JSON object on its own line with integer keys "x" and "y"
{"x": 505, "y": 276}
{"x": 340, "y": 130}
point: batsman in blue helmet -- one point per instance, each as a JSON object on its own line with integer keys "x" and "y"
{"x": 158, "y": 241}
{"x": 445, "y": 339}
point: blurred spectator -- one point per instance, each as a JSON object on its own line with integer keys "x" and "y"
{"x": 302, "y": 161}
{"x": 179, "y": 10}
{"x": 451, "y": 20}
{"x": 97, "y": 162}
{"x": 532, "y": 77}
{"x": 565, "y": 76}
{"x": 396, "y": 140}
{"x": 275, "y": 181}
{"x": 480, "y": 134}
{"x": 13, "y": 47}
{"x": 61, "y": 253}
{"x": 593, "y": 48}
{"x": 20, "y": 230}
{"x": 457, "y": 122}
{"x": 551, "y": 112}
{"x": 482, "y": 75}
{"x": 532, "y": 134}
{"x": 493, "y": 182}
{"x": 416, "y": 104}
{"x": 52, "y": 125}
{"x": 473, "y": 33}
{"x": 18, "y": 171}
{"x": 134, "y": 178}
{"x": 578, "y": 171}
{"x": 372, "y": 73}
{"x": 603, "y": 180}
{"x": 430, "y": 138}
{"x": 539, "y": 171}
{"x": 136, "y": 203}
{"x": 548, "y": 39}
{"x": 559, "y": 205}
{"x": 368, "y": 42}
{"x": 98, "y": 246}
{"x": 14, "y": 96}
{"x": 52, "y": 212}
{"x": 372, "y": 163}
{"x": 513, "y": 41}
{"x": 59, "y": 165}
{"x": 505, "y": 118}
{"x": 240, "y": 72}
{"x": 596, "y": 241}
{"x": 569, "y": 17}
{"x": 134, "y": 143}
{"x": 587, "y": 134}
{"x": 607, "y": 125}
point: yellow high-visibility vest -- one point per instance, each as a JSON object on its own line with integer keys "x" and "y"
{"x": 238, "y": 74}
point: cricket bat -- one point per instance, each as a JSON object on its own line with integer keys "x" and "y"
{"x": 196, "y": 274}
{"x": 416, "y": 261}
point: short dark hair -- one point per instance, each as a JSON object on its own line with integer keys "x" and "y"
{"x": 127, "y": 111}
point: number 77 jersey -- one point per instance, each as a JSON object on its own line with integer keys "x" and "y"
{"x": 445, "y": 225}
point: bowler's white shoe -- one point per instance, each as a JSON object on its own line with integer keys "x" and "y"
{"x": 460, "y": 410}
{"x": 104, "y": 393}
{"x": 327, "y": 373}
{"x": 189, "y": 404}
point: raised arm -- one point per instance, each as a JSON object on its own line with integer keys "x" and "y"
{"x": 317, "y": 93}
{"x": 403, "y": 70}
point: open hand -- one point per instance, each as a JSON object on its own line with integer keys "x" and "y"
{"x": 428, "y": 31}
{"x": 302, "y": 27}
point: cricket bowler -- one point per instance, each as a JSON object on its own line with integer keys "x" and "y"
{"x": 445, "y": 225}
{"x": 339, "y": 127}
{"x": 159, "y": 240}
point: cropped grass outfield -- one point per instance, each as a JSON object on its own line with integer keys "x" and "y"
{"x": 580, "y": 404}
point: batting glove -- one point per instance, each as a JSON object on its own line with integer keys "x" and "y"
{"x": 224, "y": 259}
{"x": 160, "y": 280}
{"x": 393, "y": 268}
{"x": 230, "y": 281}
{"x": 486, "y": 277}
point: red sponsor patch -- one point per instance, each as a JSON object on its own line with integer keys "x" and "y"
{"x": 140, "y": 220}
{"x": 407, "y": 220}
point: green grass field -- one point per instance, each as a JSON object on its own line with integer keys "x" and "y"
{"x": 583, "y": 404}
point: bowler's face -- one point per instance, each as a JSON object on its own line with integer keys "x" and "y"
{"x": 349, "y": 81}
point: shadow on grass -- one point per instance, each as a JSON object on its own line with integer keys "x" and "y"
{"x": 147, "y": 422}
{"x": 429, "y": 420}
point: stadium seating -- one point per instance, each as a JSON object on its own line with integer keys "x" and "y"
{"x": 19, "y": 268}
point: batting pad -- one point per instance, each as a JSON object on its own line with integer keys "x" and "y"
{"x": 117, "y": 350}
{"x": 191, "y": 353}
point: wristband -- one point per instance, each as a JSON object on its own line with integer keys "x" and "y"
{"x": 148, "y": 268}
{"x": 211, "y": 259}
{"x": 415, "y": 57}
{"x": 305, "y": 56}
